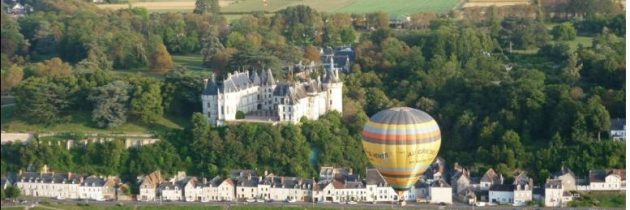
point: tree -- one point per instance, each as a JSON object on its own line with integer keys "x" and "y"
{"x": 12, "y": 40}
{"x": 378, "y": 20}
{"x": 53, "y": 67}
{"x": 599, "y": 118}
{"x": 110, "y": 104}
{"x": 564, "y": 32}
{"x": 12, "y": 192}
{"x": 311, "y": 53}
{"x": 43, "y": 99}
{"x": 180, "y": 93}
{"x": 11, "y": 77}
{"x": 207, "y": 6}
{"x": 571, "y": 72}
{"x": 146, "y": 99}
{"x": 160, "y": 60}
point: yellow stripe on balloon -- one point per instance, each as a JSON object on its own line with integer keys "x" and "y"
{"x": 401, "y": 156}
{"x": 401, "y": 181}
{"x": 401, "y": 126}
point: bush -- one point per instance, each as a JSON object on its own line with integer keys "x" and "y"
{"x": 564, "y": 32}
{"x": 240, "y": 115}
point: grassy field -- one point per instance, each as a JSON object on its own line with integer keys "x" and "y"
{"x": 161, "y": 5}
{"x": 586, "y": 41}
{"x": 600, "y": 199}
{"x": 392, "y": 7}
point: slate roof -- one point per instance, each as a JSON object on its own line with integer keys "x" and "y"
{"x": 168, "y": 186}
{"x": 234, "y": 174}
{"x": 600, "y": 174}
{"x": 502, "y": 187}
{"x": 94, "y": 181}
{"x": 553, "y": 183}
{"x": 236, "y": 82}
{"x": 293, "y": 93}
{"x": 563, "y": 171}
{"x": 373, "y": 177}
{"x": 617, "y": 124}
{"x": 248, "y": 181}
{"x": 211, "y": 87}
{"x": 267, "y": 78}
{"x": 50, "y": 177}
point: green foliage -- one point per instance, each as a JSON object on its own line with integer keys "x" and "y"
{"x": 146, "y": 99}
{"x": 45, "y": 99}
{"x": 110, "y": 104}
{"x": 564, "y": 32}
{"x": 12, "y": 192}
{"x": 12, "y": 40}
{"x": 207, "y": 6}
{"x": 240, "y": 115}
{"x": 522, "y": 33}
{"x": 180, "y": 93}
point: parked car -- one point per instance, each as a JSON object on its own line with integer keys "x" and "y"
{"x": 260, "y": 200}
{"x": 291, "y": 200}
{"x": 351, "y": 202}
{"x": 250, "y": 200}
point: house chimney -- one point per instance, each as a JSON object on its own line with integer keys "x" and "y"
{"x": 501, "y": 178}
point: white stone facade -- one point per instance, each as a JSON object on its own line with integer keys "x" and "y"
{"x": 50, "y": 185}
{"x": 263, "y": 100}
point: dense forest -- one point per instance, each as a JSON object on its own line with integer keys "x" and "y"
{"x": 507, "y": 92}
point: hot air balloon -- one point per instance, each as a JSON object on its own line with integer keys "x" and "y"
{"x": 401, "y": 143}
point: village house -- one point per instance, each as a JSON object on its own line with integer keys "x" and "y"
{"x": 607, "y": 180}
{"x": 555, "y": 194}
{"x": 441, "y": 192}
{"x": 193, "y": 189}
{"x": 148, "y": 186}
{"x": 290, "y": 188}
{"x": 174, "y": 189}
{"x": 377, "y": 189}
{"x": 489, "y": 179}
{"x": 49, "y": 184}
{"x": 218, "y": 189}
{"x": 436, "y": 171}
{"x": 460, "y": 180}
{"x": 618, "y": 129}
{"x": 523, "y": 186}
{"x": 501, "y": 194}
{"x": 569, "y": 180}
{"x": 98, "y": 188}
{"x": 246, "y": 183}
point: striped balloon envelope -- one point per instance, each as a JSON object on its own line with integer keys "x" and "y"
{"x": 401, "y": 143}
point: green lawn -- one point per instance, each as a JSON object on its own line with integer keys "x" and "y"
{"x": 586, "y": 41}
{"x": 81, "y": 122}
{"x": 392, "y": 7}
{"x": 193, "y": 63}
{"x": 600, "y": 199}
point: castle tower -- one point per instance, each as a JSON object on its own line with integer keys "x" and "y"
{"x": 334, "y": 86}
